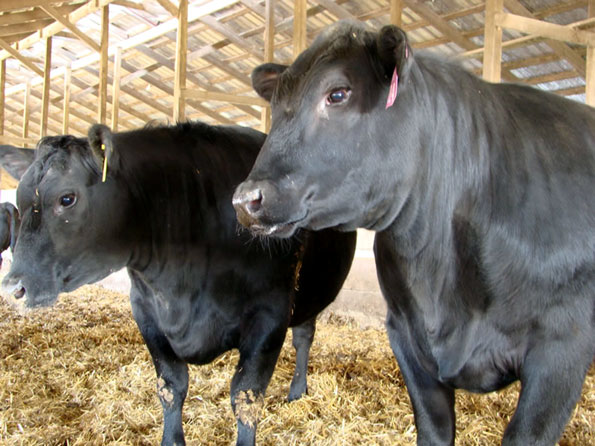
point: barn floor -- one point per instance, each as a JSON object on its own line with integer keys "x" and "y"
{"x": 79, "y": 374}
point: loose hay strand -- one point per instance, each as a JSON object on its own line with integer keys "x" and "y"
{"x": 79, "y": 374}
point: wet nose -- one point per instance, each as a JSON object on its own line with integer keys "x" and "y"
{"x": 13, "y": 286}
{"x": 248, "y": 202}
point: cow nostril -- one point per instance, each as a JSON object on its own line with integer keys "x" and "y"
{"x": 251, "y": 201}
{"x": 253, "y": 206}
{"x": 18, "y": 294}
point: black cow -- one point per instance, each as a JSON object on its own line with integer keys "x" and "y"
{"x": 482, "y": 197}
{"x": 9, "y": 227}
{"x": 200, "y": 286}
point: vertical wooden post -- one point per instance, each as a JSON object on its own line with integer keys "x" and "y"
{"x": 45, "y": 101}
{"x": 590, "y": 74}
{"x": 116, "y": 88}
{"x": 179, "y": 112}
{"x": 300, "y": 8}
{"x": 396, "y": 11}
{"x": 2, "y": 94}
{"x": 26, "y": 107}
{"x": 269, "y": 56}
{"x": 66, "y": 101}
{"x": 102, "y": 93}
{"x": 492, "y": 55}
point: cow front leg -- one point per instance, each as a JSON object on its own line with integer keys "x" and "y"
{"x": 258, "y": 355}
{"x": 303, "y": 335}
{"x": 172, "y": 377}
{"x": 433, "y": 402}
{"x": 551, "y": 383}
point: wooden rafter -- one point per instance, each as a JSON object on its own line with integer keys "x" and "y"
{"x": 235, "y": 36}
{"x": 57, "y": 15}
{"x": 544, "y": 29}
{"x": 560, "y": 48}
{"x": 55, "y": 27}
{"x": 24, "y": 60}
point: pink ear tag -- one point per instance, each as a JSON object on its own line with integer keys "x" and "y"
{"x": 392, "y": 92}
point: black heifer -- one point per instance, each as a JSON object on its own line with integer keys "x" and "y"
{"x": 482, "y": 199}
{"x": 200, "y": 286}
{"x": 9, "y": 227}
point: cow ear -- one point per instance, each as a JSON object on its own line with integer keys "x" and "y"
{"x": 102, "y": 147}
{"x": 16, "y": 160}
{"x": 264, "y": 79}
{"x": 394, "y": 51}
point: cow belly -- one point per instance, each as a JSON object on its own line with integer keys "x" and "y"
{"x": 194, "y": 329}
{"x": 202, "y": 342}
{"x": 474, "y": 357}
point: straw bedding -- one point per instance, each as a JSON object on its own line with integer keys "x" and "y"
{"x": 79, "y": 374}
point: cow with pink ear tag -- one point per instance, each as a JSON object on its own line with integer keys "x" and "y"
{"x": 481, "y": 196}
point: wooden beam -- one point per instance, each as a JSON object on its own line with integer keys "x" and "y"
{"x": 66, "y": 101}
{"x": 56, "y": 15}
{"x": 223, "y": 97}
{"x": 520, "y": 41}
{"x": 2, "y": 90}
{"x": 138, "y": 39}
{"x": 169, "y": 7}
{"x": 544, "y": 29}
{"x": 231, "y": 35}
{"x": 23, "y": 28}
{"x": 300, "y": 8}
{"x": 24, "y": 60}
{"x": 26, "y": 103}
{"x": 45, "y": 102}
{"x": 492, "y": 56}
{"x": 8, "y": 5}
{"x": 189, "y": 77}
{"x": 56, "y": 27}
{"x": 116, "y": 88}
{"x": 269, "y": 31}
{"x": 396, "y": 12}
{"x": 36, "y": 15}
{"x": 180, "y": 64}
{"x": 103, "y": 66}
{"x": 269, "y": 56}
{"x": 590, "y": 68}
{"x": 440, "y": 24}
{"x": 236, "y": 74}
{"x": 336, "y": 9}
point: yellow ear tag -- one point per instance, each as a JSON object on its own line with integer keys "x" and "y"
{"x": 104, "y": 164}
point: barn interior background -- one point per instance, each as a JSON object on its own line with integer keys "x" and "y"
{"x": 65, "y": 65}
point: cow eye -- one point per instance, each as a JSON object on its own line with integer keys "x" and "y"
{"x": 67, "y": 200}
{"x": 338, "y": 96}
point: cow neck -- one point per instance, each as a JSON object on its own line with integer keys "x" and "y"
{"x": 451, "y": 177}
{"x": 178, "y": 202}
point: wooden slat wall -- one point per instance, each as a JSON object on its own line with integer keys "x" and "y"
{"x": 153, "y": 76}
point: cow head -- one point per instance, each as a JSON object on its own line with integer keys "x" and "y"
{"x": 69, "y": 218}
{"x": 325, "y": 161}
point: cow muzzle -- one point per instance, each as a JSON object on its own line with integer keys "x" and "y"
{"x": 13, "y": 286}
{"x": 247, "y": 201}
{"x": 13, "y": 292}
{"x": 259, "y": 207}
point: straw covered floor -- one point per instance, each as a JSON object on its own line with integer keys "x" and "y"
{"x": 79, "y": 374}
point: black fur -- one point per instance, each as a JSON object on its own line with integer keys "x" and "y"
{"x": 200, "y": 287}
{"x": 482, "y": 199}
